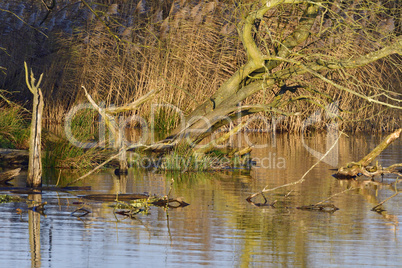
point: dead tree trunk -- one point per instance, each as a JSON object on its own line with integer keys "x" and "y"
{"x": 34, "y": 178}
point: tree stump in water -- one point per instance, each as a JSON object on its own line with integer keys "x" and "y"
{"x": 34, "y": 178}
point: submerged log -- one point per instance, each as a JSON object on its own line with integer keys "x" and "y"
{"x": 320, "y": 207}
{"x": 171, "y": 202}
{"x": 38, "y": 190}
{"x": 6, "y": 176}
{"x": 354, "y": 169}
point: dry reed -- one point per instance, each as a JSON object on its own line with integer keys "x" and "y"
{"x": 187, "y": 49}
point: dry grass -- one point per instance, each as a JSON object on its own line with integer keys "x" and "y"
{"x": 186, "y": 49}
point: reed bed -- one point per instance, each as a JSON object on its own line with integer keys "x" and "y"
{"x": 186, "y": 49}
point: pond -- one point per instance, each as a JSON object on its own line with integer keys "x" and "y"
{"x": 219, "y": 227}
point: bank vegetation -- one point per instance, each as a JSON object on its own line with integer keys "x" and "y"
{"x": 213, "y": 64}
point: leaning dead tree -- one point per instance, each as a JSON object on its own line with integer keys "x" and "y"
{"x": 34, "y": 178}
{"x": 290, "y": 43}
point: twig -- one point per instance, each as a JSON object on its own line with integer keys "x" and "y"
{"x": 286, "y": 195}
{"x": 344, "y": 191}
{"x": 133, "y": 105}
{"x": 93, "y": 170}
{"x": 30, "y": 26}
{"x": 395, "y": 194}
{"x": 296, "y": 182}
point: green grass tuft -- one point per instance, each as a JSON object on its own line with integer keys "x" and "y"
{"x": 61, "y": 153}
{"x": 14, "y": 129}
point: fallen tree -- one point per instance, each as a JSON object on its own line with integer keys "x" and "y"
{"x": 363, "y": 167}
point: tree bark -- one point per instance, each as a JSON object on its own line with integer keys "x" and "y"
{"x": 34, "y": 178}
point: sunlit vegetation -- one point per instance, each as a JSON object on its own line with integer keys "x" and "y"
{"x": 14, "y": 128}
{"x": 186, "y": 49}
{"x": 62, "y": 153}
{"x": 4, "y": 198}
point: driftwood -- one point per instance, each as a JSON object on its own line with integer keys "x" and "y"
{"x": 322, "y": 205}
{"x": 355, "y": 169}
{"x": 80, "y": 212}
{"x": 265, "y": 204}
{"x": 153, "y": 200}
{"x": 6, "y": 176}
{"x": 171, "y": 203}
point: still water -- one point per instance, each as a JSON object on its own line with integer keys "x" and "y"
{"x": 219, "y": 227}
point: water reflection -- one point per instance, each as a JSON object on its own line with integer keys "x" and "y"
{"x": 34, "y": 229}
{"x": 219, "y": 227}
